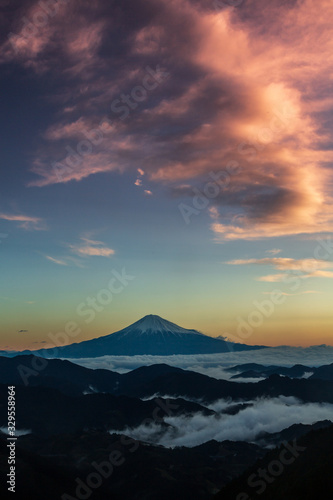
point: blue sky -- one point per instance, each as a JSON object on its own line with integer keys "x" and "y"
{"x": 178, "y": 141}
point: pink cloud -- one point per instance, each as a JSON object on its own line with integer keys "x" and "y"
{"x": 25, "y": 221}
{"x": 238, "y": 91}
{"x": 35, "y": 36}
{"x": 31, "y": 35}
{"x": 67, "y": 131}
{"x": 91, "y": 248}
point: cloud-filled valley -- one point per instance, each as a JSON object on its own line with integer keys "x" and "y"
{"x": 266, "y": 415}
{"x": 213, "y": 364}
{"x": 165, "y": 232}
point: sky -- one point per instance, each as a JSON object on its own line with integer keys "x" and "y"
{"x": 169, "y": 157}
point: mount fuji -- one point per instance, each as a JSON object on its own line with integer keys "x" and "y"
{"x": 150, "y": 335}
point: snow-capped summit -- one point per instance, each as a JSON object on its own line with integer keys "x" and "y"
{"x": 150, "y": 335}
{"x": 154, "y": 324}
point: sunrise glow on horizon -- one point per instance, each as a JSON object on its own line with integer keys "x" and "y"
{"x": 176, "y": 160}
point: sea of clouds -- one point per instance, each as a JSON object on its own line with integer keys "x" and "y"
{"x": 266, "y": 415}
{"x": 214, "y": 365}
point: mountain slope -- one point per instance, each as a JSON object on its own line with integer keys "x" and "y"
{"x": 307, "y": 476}
{"x": 47, "y": 411}
{"x": 150, "y": 335}
{"x": 47, "y": 468}
{"x": 147, "y": 381}
{"x": 254, "y": 370}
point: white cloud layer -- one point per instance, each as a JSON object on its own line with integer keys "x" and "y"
{"x": 267, "y": 415}
{"x": 18, "y": 432}
{"x": 213, "y": 365}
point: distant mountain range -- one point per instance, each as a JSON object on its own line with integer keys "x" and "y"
{"x": 74, "y": 417}
{"x": 254, "y": 370}
{"x": 47, "y": 468}
{"x": 147, "y": 381}
{"x": 150, "y": 335}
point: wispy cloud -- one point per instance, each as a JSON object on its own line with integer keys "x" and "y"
{"x": 274, "y": 251}
{"x": 308, "y": 268}
{"x": 32, "y": 43}
{"x": 60, "y": 262}
{"x": 275, "y": 278}
{"x": 25, "y": 221}
{"x": 283, "y": 263}
{"x": 92, "y": 248}
{"x": 139, "y": 182}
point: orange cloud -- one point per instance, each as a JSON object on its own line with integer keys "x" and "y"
{"x": 308, "y": 268}
{"x": 283, "y": 263}
{"x": 274, "y": 278}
